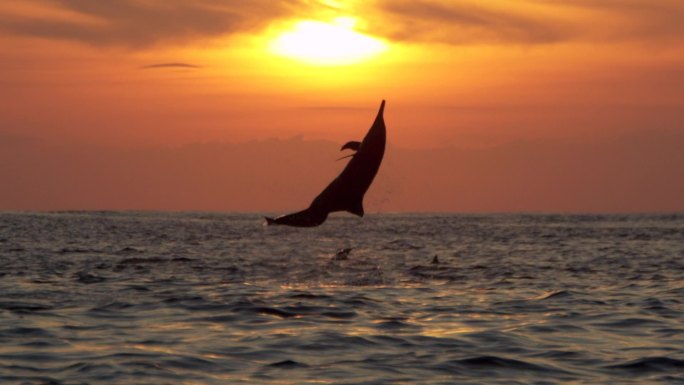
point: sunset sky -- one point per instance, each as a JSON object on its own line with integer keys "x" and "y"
{"x": 497, "y": 106}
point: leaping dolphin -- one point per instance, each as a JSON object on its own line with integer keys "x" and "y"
{"x": 345, "y": 193}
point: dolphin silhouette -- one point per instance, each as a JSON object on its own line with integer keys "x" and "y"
{"x": 345, "y": 193}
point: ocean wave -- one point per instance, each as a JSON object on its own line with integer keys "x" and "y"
{"x": 650, "y": 364}
{"x": 215, "y": 298}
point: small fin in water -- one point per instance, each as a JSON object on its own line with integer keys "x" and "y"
{"x": 342, "y": 254}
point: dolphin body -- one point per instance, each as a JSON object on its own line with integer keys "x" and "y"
{"x": 345, "y": 193}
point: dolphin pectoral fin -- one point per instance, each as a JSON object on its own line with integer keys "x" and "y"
{"x": 353, "y": 145}
{"x": 346, "y": 156}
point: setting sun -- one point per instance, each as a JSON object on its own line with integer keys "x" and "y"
{"x": 320, "y": 43}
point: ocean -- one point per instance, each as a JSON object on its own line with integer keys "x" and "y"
{"x": 214, "y": 298}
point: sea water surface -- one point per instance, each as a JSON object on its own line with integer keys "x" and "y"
{"x": 197, "y": 298}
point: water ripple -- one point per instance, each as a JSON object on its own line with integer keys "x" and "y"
{"x": 166, "y": 298}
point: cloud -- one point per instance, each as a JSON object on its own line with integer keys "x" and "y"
{"x": 529, "y": 22}
{"x": 336, "y": 108}
{"x": 169, "y": 65}
{"x": 465, "y": 23}
{"x": 643, "y": 20}
{"x": 638, "y": 172}
{"x": 9, "y": 141}
{"x": 141, "y": 23}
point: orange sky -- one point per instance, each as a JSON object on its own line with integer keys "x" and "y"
{"x": 572, "y": 105}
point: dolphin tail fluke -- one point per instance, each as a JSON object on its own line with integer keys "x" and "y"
{"x": 305, "y": 218}
{"x": 356, "y": 208}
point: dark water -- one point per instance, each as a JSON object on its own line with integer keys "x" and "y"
{"x": 156, "y": 298}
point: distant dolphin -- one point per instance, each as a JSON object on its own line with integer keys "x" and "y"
{"x": 345, "y": 193}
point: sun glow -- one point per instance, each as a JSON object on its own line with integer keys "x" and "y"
{"x": 319, "y": 43}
